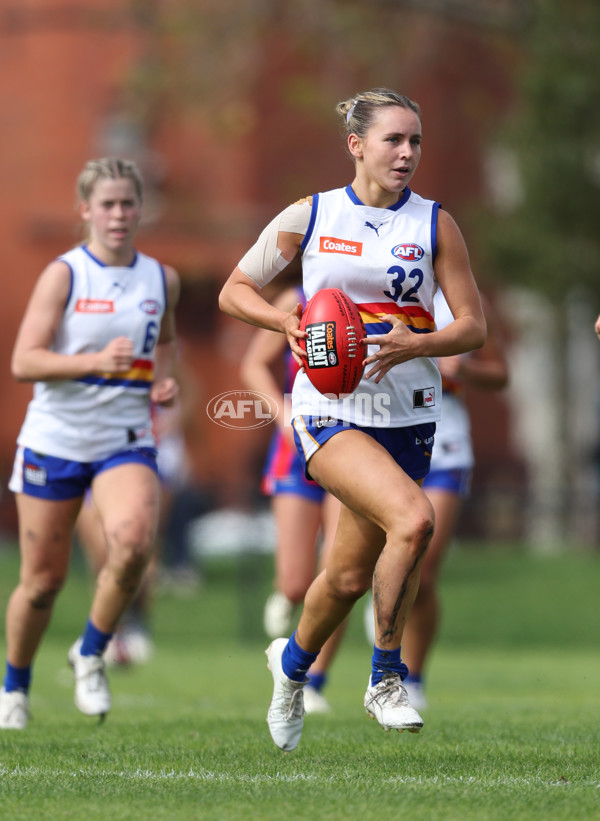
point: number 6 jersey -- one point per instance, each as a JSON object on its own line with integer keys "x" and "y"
{"x": 93, "y": 416}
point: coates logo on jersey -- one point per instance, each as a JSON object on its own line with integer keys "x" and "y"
{"x": 408, "y": 251}
{"x": 95, "y": 306}
{"x": 333, "y": 245}
{"x": 150, "y": 306}
{"x": 242, "y": 410}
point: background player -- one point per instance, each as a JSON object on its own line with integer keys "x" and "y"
{"x": 98, "y": 341}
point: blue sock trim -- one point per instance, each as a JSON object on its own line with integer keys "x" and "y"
{"x": 295, "y": 661}
{"x": 94, "y": 640}
{"x": 317, "y": 680}
{"x": 17, "y": 678}
{"x": 414, "y": 678}
{"x": 387, "y": 661}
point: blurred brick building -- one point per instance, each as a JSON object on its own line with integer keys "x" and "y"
{"x": 229, "y": 122}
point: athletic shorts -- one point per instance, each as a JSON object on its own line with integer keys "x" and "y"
{"x": 49, "y": 477}
{"x": 294, "y": 483}
{"x": 410, "y": 447}
{"x": 453, "y": 480}
{"x": 284, "y": 472}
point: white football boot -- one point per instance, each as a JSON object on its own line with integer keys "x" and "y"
{"x": 388, "y": 703}
{"x": 278, "y": 614}
{"x": 92, "y": 695}
{"x": 139, "y": 644}
{"x": 416, "y": 694}
{"x": 286, "y": 711}
{"x": 14, "y": 710}
{"x": 315, "y": 701}
{"x": 131, "y": 644}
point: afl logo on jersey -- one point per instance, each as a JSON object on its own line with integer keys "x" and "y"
{"x": 408, "y": 251}
{"x": 150, "y": 306}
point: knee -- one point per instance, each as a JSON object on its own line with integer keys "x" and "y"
{"x": 293, "y": 590}
{"x": 351, "y": 584}
{"x": 419, "y": 530}
{"x": 423, "y": 528}
{"x": 129, "y": 559}
{"x": 43, "y": 590}
{"x": 130, "y": 546}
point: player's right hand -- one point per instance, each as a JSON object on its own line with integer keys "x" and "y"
{"x": 291, "y": 325}
{"x": 117, "y": 356}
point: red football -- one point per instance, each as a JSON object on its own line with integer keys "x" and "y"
{"x": 334, "y": 354}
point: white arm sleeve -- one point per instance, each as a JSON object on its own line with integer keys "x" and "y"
{"x": 264, "y": 260}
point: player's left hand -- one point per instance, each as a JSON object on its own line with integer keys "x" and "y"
{"x": 164, "y": 392}
{"x": 394, "y": 347}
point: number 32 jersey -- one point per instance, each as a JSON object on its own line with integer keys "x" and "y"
{"x": 382, "y": 258}
{"x": 93, "y": 416}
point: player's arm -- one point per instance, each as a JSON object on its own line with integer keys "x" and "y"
{"x": 276, "y": 247}
{"x": 265, "y": 350}
{"x": 165, "y": 388}
{"x": 32, "y": 358}
{"x": 240, "y": 298}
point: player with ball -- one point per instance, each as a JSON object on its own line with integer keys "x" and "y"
{"x": 387, "y": 249}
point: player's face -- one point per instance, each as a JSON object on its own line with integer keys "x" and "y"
{"x": 112, "y": 214}
{"x": 391, "y": 151}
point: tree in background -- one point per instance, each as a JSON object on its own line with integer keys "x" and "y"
{"x": 544, "y": 237}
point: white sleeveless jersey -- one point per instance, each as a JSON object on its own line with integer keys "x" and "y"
{"x": 382, "y": 258}
{"x": 94, "y": 416}
{"x": 453, "y": 446}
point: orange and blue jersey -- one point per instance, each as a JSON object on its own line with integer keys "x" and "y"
{"x": 140, "y": 375}
{"x": 416, "y": 318}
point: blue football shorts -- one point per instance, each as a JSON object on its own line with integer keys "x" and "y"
{"x": 48, "y": 477}
{"x": 284, "y": 473}
{"x": 295, "y": 483}
{"x": 410, "y": 447}
{"x": 452, "y": 480}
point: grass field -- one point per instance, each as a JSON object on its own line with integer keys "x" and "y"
{"x": 512, "y": 732}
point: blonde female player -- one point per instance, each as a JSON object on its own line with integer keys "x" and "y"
{"x": 97, "y": 339}
{"x": 371, "y": 450}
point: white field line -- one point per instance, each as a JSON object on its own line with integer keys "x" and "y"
{"x": 208, "y": 776}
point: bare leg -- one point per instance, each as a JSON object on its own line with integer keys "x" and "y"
{"x": 330, "y": 519}
{"x": 45, "y": 530}
{"x": 90, "y": 533}
{"x": 128, "y": 501}
{"x": 422, "y": 625}
{"x": 385, "y": 525}
{"x": 298, "y": 521}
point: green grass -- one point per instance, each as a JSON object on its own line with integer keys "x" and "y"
{"x": 512, "y": 731}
